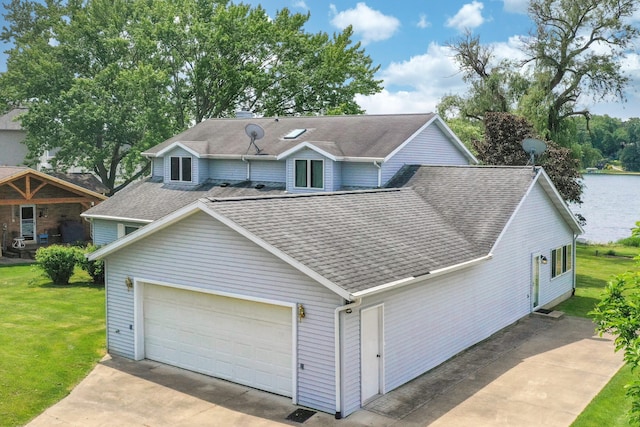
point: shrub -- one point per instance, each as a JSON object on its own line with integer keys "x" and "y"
{"x": 633, "y": 241}
{"x": 57, "y": 262}
{"x": 94, "y": 268}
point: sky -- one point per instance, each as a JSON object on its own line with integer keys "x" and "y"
{"x": 407, "y": 39}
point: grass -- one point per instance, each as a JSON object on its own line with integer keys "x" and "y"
{"x": 595, "y": 265}
{"x": 50, "y": 338}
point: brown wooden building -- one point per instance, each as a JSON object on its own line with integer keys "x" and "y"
{"x": 38, "y": 207}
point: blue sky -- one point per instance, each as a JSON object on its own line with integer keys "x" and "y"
{"x": 407, "y": 39}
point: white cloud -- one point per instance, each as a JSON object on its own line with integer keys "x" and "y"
{"x": 424, "y": 80}
{"x": 371, "y": 25}
{"x": 516, "y": 6}
{"x": 418, "y": 84}
{"x": 423, "y": 23}
{"x": 300, "y": 4}
{"x": 468, "y": 17}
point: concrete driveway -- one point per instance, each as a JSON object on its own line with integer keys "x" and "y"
{"x": 538, "y": 372}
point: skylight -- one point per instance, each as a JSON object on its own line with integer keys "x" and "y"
{"x": 294, "y": 133}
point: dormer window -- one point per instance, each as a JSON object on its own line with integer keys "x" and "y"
{"x": 181, "y": 169}
{"x": 309, "y": 174}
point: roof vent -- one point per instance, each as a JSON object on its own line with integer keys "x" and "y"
{"x": 294, "y": 133}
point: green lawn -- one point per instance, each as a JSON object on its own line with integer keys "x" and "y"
{"x": 594, "y": 267}
{"x": 50, "y": 338}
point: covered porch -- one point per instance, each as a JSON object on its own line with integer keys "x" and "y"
{"x": 39, "y": 209}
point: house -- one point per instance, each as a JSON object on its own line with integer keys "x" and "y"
{"x": 12, "y": 151}
{"x": 333, "y": 298}
{"x": 36, "y": 206}
{"x": 218, "y": 158}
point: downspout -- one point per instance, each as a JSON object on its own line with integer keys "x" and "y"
{"x": 379, "y": 166}
{"x": 337, "y": 351}
{"x": 248, "y": 168}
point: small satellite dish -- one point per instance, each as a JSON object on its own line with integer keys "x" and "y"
{"x": 254, "y": 132}
{"x": 533, "y": 147}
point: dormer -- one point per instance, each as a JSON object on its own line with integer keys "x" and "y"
{"x": 180, "y": 164}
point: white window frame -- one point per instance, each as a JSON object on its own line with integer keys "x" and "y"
{"x": 180, "y": 169}
{"x": 308, "y": 178}
{"x": 561, "y": 260}
{"x": 122, "y": 229}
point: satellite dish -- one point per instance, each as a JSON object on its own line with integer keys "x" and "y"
{"x": 533, "y": 147}
{"x": 254, "y": 132}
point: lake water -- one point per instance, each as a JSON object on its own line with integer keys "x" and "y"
{"x": 611, "y": 206}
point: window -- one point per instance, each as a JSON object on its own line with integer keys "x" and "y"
{"x": 309, "y": 174}
{"x": 561, "y": 260}
{"x": 123, "y": 229}
{"x": 181, "y": 169}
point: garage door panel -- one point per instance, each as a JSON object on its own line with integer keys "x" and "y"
{"x": 237, "y": 340}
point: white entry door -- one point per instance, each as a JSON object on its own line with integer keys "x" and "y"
{"x": 28, "y": 221}
{"x": 243, "y": 341}
{"x": 535, "y": 282}
{"x": 370, "y": 352}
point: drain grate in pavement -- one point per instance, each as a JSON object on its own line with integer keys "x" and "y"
{"x": 300, "y": 415}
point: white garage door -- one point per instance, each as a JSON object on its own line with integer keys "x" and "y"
{"x": 241, "y": 341}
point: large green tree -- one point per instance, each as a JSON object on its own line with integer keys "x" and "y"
{"x": 104, "y": 80}
{"x": 573, "y": 53}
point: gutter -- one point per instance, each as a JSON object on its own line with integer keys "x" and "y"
{"x": 338, "y": 352}
{"x": 117, "y": 218}
{"x": 379, "y": 166}
{"x": 410, "y": 280}
{"x": 244, "y": 159}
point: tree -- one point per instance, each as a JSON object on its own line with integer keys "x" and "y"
{"x": 574, "y": 52}
{"x": 104, "y": 80}
{"x": 618, "y": 313}
{"x": 630, "y": 157}
{"x": 504, "y": 133}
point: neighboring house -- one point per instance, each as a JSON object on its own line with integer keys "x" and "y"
{"x": 296, "y": 155}
{"x": 335, "y": 298}
{"x": 34, "y": 204}
{"x": 12, "y": 151}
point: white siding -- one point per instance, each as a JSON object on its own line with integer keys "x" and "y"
{"x": 157, "y": 165}
{"x": 201, "y": 252}
{"x": 350, "y": 361}
{"x": 428, "y": 323}
{"x": 330, "y": 183}
{"x": 233, "y": 170}
{"x": 430, "y": 147}
{"x": 359, "y": 175}
{"x": 271, "y": 171}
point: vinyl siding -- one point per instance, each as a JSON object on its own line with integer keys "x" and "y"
{"x": 359, "y": 175}
{"x": 270, "y": 171}
{"x": 202, "y": 170}
{"x": 157, "y": 164}
{"x": 430, "y": 147}
{"x": 428, "y": 323}
{"x": 12, "y": 151}
{"x": 201, "y": 252}
{"x": 329, "y": 172}
{"x": 350, "y": 361}
{"x": 233, "y": 170}
{"x": 106, "y": 231}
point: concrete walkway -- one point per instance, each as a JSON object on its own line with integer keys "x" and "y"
{"x": 538, "y": 372}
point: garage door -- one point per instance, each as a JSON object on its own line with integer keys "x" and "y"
{"x": 241, "y": 341}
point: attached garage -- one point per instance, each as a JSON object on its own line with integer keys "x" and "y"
{"x": 244, "y": 341}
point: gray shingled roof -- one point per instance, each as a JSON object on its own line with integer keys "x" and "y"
{"x": 359, "y": 240}
{"x": 82, "y": 179}
{"x": 372, "y": 136}
{"x": 478, "y": 199}
{"x": 150, "y": 199}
